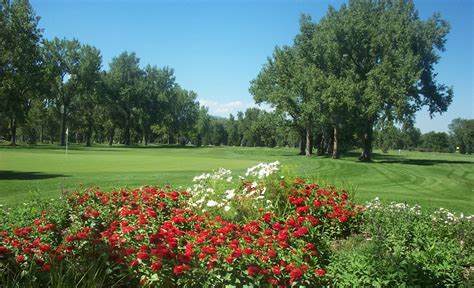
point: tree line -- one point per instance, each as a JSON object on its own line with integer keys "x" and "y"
{"x": 344, "y": 83}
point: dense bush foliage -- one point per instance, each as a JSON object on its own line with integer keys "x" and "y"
{"x": 405, "y": 246}
{"x": 227, "y": 231}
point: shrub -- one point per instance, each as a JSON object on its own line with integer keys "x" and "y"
{"x": 405, "y": 246}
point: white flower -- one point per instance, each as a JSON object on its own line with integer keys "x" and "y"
{"x": 226, "y": 208}
{"x": 200, "y": 201}
{"x": 230, "y": 194}
{"x": 211, "y": 203}
{"x": 263, "y": 170}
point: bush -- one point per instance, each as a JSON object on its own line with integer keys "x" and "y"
{"x": 152, "y": 236}
{"x": 404, "y": 246}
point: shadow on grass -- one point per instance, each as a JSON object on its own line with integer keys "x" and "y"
{"x": 102, "y": 147}
{"x": 423, "y": 162}
{"x": 16, "y": 175}
{"x": 399, "y": 159}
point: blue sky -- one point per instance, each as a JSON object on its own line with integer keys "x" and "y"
{"x": 217, "y": 47}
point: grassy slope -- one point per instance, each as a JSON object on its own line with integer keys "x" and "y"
{"x": 430, "y": 179}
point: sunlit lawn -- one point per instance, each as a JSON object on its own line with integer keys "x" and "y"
{"x": 430, "y": 179}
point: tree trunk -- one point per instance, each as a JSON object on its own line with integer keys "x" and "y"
{"x": 367, "y": 142}
{"x": 145, "y": 135}
{"x": 126, "y": 131}
{"x": 335, "y": 153}
{"x": 62, "y": 141}
{"x": 41, "y": 134}
{"x": 13, "y": 131}
{"x": 328, "y": 144}
{"x": 89, "y": 134}
{"x": 302, "y": 142}
{"x": 309, "y": 144}
{"x": 320, "y": 141}
{"x": 112, "y": 134}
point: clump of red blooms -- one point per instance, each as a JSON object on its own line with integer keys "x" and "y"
{"x": 154, "y": 233}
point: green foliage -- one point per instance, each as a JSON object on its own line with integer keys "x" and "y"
{"x": 462, "y": 132}
{"x": 20, "y": 62}
{"x": 347, "y": 66}
{"x": 435, "y": 141}
{"x": 404, "y": 246}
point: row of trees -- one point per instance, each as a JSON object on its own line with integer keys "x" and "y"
{"x": 50, "y": 87}
{"x": 369, "y": 63}
{"x": 460, "y": 138}
{"x": 343, "y": 83}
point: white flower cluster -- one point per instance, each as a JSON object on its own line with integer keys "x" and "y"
{"x": 376, "y": 204}
{"x": 206, "y": 185}
{"x": 442, "y": 215}
{"x": 220, "y": 174}
{"x": 217, "y": 190}
{"x": 448, "y": 217}
{"x": 263, "y": 170}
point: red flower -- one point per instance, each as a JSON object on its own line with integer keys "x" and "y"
{"x": 272, "y": 281}
{"x": 133, "y": 263}
{"x": 320, "y": 272}
{"x": 295, "y": 274}
{"x": 44, "y": 248}
{"x": 276, "y": 270}
{"x": 3, "y": 250}
{"x": 46, "y": 267}
{"x": 302, "y": 209}
{"x": 252, "y": 270}
{"x": 143, "y": 256}
{"x": 19, "y": 258}
{"x": 156, "y": 266}
{"x": 271, "y": 253}
{"x": 179, "y": 269}
{"x": 342, "y": 219}
{"x": 267, "y": 217}
{"x": 248, "y": 251}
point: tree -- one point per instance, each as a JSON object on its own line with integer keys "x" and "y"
{"x": 20, "y": 61}
{"x": 123, "y": 84}
{"x": 203, "y": 127}
{"x": 62, "y": 59}
{"x": 436, "y": 141}
{"x": 462, "y": 131}
{"x": 292, "y": 87}
{"x": 156, "y": 89}
{"x": 391, "y": 55}
{"x": 90, "y": 83}
{"x": 182, "y": 114}
{"x": 233, "y": 131}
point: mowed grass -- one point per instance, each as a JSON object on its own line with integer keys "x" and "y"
{"x": 430, "y": 179}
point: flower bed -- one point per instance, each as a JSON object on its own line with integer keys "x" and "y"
{"x": 224, "y": 231}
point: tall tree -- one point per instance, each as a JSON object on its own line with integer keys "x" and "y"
{"x": 391, "y": 55}
{"x": 462, "y": 131}
{"x": 123, "y": 84}
{"x": 233, "y": 131}
{"x": 89, "y": 90}
{"x": 20, "y": 61}
{"x": 292, "y": 87}
{"x": 156, "y": 89}
{"x": 62, "y": 59}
